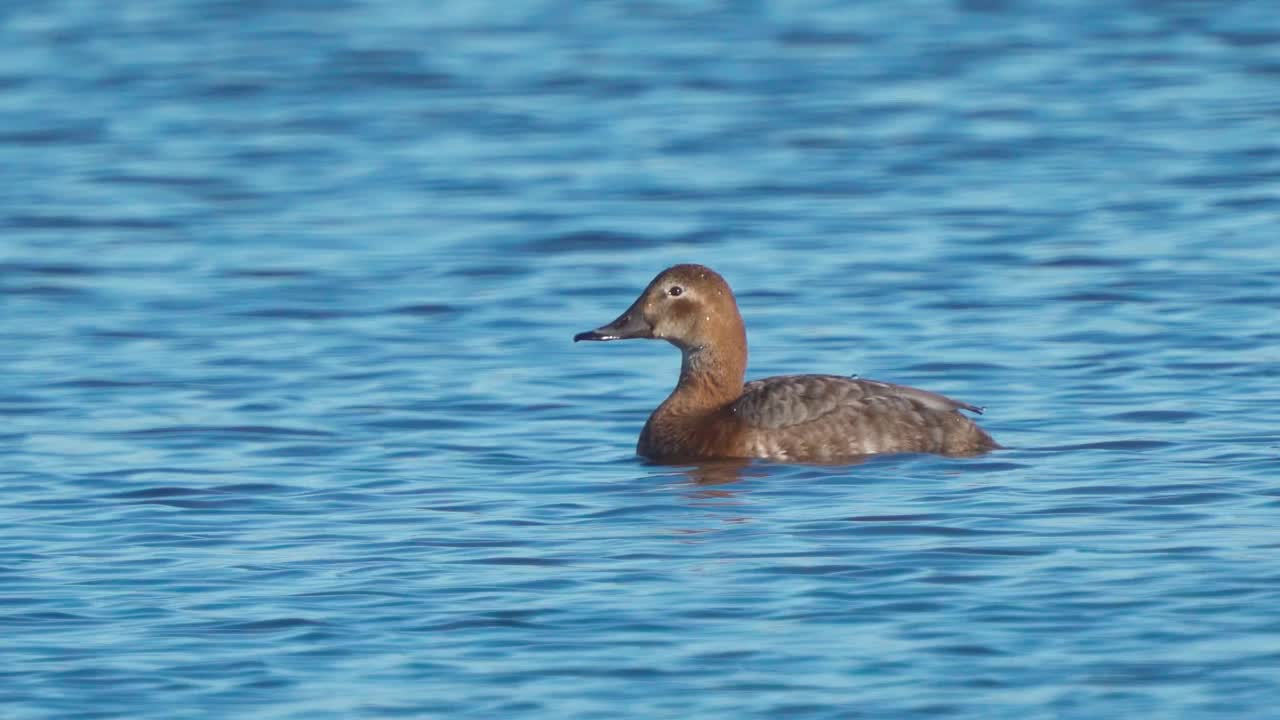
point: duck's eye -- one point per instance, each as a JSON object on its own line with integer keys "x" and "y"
{"x": 675, "y": 291}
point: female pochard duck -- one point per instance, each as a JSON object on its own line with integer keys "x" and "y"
{"x": 711, "y": 414}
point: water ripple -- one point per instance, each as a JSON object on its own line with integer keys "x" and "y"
{"x": 294, "y": 426}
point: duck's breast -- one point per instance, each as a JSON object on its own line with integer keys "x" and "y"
{"x": 671, "y": 436}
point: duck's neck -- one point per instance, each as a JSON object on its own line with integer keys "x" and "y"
{"x": 711, "y": 376}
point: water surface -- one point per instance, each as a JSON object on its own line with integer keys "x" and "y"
{"x": 293, "y": 426}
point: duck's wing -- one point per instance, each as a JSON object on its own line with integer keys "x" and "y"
{"x": 789, "y": 400}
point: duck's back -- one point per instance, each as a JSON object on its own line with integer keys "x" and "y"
{"x": 822, "y": 418}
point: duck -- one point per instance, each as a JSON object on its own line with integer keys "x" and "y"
{"x": 713, "y": 414}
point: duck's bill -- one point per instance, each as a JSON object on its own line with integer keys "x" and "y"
{"x": 630, "y": 325}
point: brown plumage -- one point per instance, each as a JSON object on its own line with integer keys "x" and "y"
{"x": 802, "y": 418}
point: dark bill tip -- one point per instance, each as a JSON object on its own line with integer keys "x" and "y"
{"x": 593, "y": 335}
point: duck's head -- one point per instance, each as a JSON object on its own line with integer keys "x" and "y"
{"x": 689, "y": 306}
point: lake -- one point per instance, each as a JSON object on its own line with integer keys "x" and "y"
{"x": 293, "y": 426}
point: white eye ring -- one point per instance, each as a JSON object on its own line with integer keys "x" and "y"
{"x": 675, "y": 291}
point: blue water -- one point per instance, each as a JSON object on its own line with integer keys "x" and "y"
{"x": 292, "y": 426}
